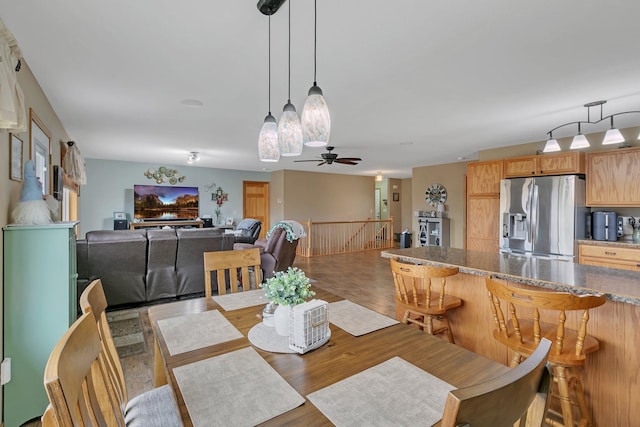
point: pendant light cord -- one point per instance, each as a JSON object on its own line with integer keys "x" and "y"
{"x": 289, "y": 94}
{"x": 269, "y": 64}
{"x": 315, "y": 38}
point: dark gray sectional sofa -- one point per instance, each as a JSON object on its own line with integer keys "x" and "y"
{"x": 141, "y": 266}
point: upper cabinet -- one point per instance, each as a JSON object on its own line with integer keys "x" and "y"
{"x": 483, "y": 178}
{"x": 545, "y": 164}
{"x": 613, "y": 177}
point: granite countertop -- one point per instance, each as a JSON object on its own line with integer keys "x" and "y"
{"x": 618, "y": 285}
{"x": 617, "y": 244}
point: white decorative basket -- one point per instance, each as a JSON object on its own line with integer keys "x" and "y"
{"x": 309, "y": 326}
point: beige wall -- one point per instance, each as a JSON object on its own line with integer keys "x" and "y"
{"x": 452, "y": 176}
{"x": 10, "y": 190}
{"x": 321, "y": 196}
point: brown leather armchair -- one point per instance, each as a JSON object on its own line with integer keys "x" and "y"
{"x": 276, "y": 253}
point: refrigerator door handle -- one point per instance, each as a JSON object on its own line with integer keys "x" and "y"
{"x": 534, "y": 215}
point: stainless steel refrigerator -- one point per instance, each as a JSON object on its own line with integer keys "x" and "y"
{"x": 542, "y": 216}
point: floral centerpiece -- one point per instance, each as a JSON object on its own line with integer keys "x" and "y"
{"x": 289, "y": 287}
{"x": 286, "y": 288}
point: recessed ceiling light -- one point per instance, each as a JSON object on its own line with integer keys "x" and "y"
{"x": 192, "y": 103}
{"x": 461, "y": 158}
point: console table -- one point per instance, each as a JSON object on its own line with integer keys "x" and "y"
{"x": 172, "y": 224}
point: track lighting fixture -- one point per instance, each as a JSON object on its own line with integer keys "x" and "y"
{"x": 613, "y": 135}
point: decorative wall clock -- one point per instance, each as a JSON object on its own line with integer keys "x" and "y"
{"x": 435, "y": 194}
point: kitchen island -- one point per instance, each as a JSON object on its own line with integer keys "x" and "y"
{"x": 611, "y": 374}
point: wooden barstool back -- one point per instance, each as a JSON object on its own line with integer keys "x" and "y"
{"x": 526, "y": 316}
{"x": 422, "y": 299}
{"x": 232, "y": 265}
{"x": 94, "y": 301}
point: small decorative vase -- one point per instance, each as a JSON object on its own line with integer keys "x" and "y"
{"x": 281, "y": 319}
{"x": 636, "y": 236}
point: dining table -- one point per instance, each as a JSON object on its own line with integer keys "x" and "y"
{"x": 342, "y": 357}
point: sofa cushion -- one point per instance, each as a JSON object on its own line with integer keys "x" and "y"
{"x": 192, "y": 243}
{"x": 119, "y": 259}
{"x": 161, "y": 278}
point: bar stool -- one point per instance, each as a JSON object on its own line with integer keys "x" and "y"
{"x": 418, "y": 296}
{"x": 522, "y": 332}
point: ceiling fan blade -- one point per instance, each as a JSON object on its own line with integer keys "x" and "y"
{"x": 345, "y": 162}
{"x": 321, "y": 163}
{"x": 317, "y": 160}
{"x": 350, "y": 159}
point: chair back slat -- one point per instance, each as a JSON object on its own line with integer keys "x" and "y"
{"x": 75, "y": 379}
{"x": 414, "y": 283}
{"x": 228, "y": 267}
{"x": 94, "y": 301}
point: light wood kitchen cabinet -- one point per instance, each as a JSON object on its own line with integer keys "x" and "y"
{"x": 484, "y": 177}
{"x": 483, "y": 205}
{"x": 610, "y": 256}
{"x": 613, "y": 177}
{"x": 545, "y": 164}
{"x": 483, "y": 223}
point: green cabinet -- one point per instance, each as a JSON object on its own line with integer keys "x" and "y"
{"x": 39, "y": 306}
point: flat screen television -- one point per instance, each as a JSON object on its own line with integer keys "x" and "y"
{"x": 163, "y": 202}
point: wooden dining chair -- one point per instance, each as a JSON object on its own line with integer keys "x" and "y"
{"x": 232, "y": 268}
{"x": 156, "y": 407}
{"x": 422, "y": 300}
{"x": 519, "y": 395}
{"x": 532, "y": 315}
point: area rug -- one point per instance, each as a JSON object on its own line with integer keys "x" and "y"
{"x": 126, "y": 328}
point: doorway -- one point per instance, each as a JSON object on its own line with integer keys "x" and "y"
{"x": 255, "y": 203}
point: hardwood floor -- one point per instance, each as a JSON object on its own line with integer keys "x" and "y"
{"x": 362, "y": 277}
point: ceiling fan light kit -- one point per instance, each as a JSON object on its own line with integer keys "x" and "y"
{"x": 612, "y": 136}
{"x": 316, "y": 120}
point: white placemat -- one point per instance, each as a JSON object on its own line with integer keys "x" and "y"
{"x": 234, "y": 389}
{"x": 240, "y": 300}
{"x": 392, "y": 393}
{"x": 356, "y": 319}
{"x": 266, "y": 338}
{"x": 194, "y": 331}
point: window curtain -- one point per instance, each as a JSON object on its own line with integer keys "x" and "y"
{"x": 13, "y": 115}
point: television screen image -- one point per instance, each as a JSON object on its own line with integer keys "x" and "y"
{"x": 165, "y": 202}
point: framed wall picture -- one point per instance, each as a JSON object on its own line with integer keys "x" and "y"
{"x": 396, "y": 197}
{"x": 15, "y": 157}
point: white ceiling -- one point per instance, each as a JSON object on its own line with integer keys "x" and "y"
{"x": 409, "y": 82}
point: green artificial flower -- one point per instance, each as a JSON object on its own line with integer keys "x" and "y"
{"x": 289, "y": 287}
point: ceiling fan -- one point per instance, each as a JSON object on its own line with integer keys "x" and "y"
{"x": 330, "y": 158}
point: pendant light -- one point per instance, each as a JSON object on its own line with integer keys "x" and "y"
{"x": 579, "y": 141}
{"x": 551, "y": 145}
{"x": 289, "y": 128}
{"x": 315, "y": 118}
{"x": 613, "y": 136}
{"x": 268, "y": 149}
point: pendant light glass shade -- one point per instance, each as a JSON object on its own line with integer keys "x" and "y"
{"x": 289, "y": 132}
{"x": 613, "y": 136}
{"x": 551, "y": 146}
{"x": 268, "y": 149}
{"x": 316, "y": 121}
{"x": 579, "y": 141}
